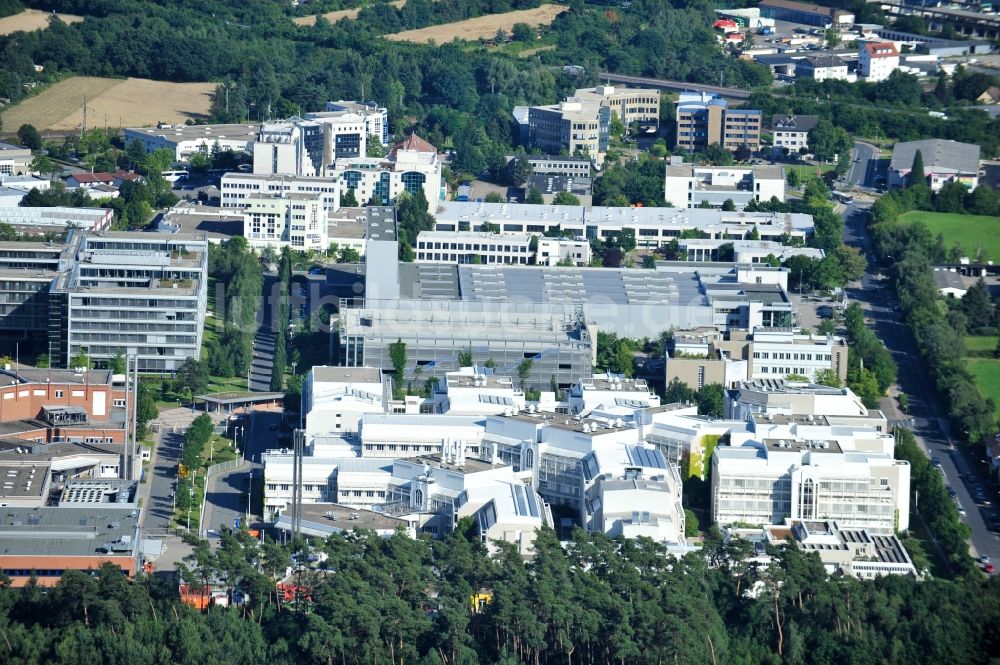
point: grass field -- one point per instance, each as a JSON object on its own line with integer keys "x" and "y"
{"x": 807, "y": 171}
{"x": 333, "y": 17}
{"x": 981, "y": 346}
{"x": 32, "y": 19}
{"x": 987, "y": 374}
{"x": 977, "y": 235}
{"x": 481, "y": 27}
{"x": 126, "y": 102}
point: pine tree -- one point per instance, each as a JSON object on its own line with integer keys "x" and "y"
{"x": 917, "y": 175}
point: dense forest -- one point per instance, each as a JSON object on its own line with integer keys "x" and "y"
{"x": 592, "y": 600}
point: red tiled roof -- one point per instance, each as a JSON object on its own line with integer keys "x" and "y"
{"x": 414, "y": 142}
{"x": 127, "y": 175}
{"x": 93, "y": 177}
{"x": 881, "y": 50}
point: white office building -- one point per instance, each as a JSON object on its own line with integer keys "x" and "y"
{"x": 376, "y": 117}
{"x": 133, "y": 293}
{"x": 764, "y": 481}
{"x": 293, "y": 147}
{"x": 690, "y": 185}
{"x": 653, "y": 227}
{"x": 237, "y": 188}
{"x": 288, "y": 220}
{"x": 632, "y": 491}
{"x": 185, "y": 140}
{"x": 335, "y": 398}
{"x": 473, "y": 247}
{"x": 411, "y": 166}
{"x": 556, "y": 251}
{"x": 475, "y": 391}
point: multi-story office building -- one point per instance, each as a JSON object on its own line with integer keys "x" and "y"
{"x": 184, "y": 140}
{"x": 776, "y": 396}
{"x": 790, "y": 133}
{"x": 293, "y": 147}
{"x": 580, "y": 125}
{"x": 877, "y": 60}
{"x": 474, "y": 247}
{"x": 411, "y": 166}
{"x": 290, "y": 220}
{"x": 709, "y": 356}
{"x": 346, "y": 134}
{"x": 141, "y": 294}
{"x": 690, "y": 186}
{"x": 376, "y": 117}
{"x": 629, "y": 105}
{"x": 237, "y": 188}
{"x": 566, "y": 165}
{"x": 704, "y": 119}
{"x": 576, "y": 127}
{"x": 742, "y": 129}
{"x": 653, "y": 227}
{"x": 817, "y": 477}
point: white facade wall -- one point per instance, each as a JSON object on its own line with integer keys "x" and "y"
{"x": 779, "y": 358}
{"x": 755, "y": 484}
{"x": 793, "y": 139}
{"x": 236, "y": 188}
{"x": 468, "y": 247}
{"x": 298, "y": 221}
{"x": 553, "y": 250}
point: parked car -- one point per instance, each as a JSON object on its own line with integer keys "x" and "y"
{"x": 989, "y": 569}
{"x": 825, "y": 312}
{"x": 936, "y": 462}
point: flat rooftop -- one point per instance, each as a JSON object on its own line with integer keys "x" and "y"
{"x": 107, "y": 529}
{"x": 613, "y": 383}
{"x": 80, "y": 491}
{"x": 491, "y": 381}
{"x": 764, "y": 171}
{"x": 336, "y": 517}
{"x": 21, "y": 481}
{"x": 381, "y": 223}
{"x": 329, "y": 374}
{"x": 181, "y": 132}
{"x": 470, "y": 465}
{"x": 93, "y": 377}
{"x": 792, "y": 445}
{"x": 573, "y": 217}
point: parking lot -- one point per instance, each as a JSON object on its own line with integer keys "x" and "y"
{"x": 810, "y": 309}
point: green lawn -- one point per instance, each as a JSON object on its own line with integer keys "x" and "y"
{"x": 987, "y": 374}
{"x": 807, "y": 171}
{"x": 981, "y": 346}
{"x": 975, "y": 234}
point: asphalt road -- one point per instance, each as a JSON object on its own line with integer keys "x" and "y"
{"x": 164, "y": 473}
{"x": 227, "y": 495}
{"x": 226, "y": 499}
{"x": 263, "y": 349}
{"x": 863, "y": 168}
{"x": 931, "y": 425}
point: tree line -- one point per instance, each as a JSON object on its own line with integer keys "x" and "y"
{"x": 588, "y": 600}
{"x": 906, "y": 253}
